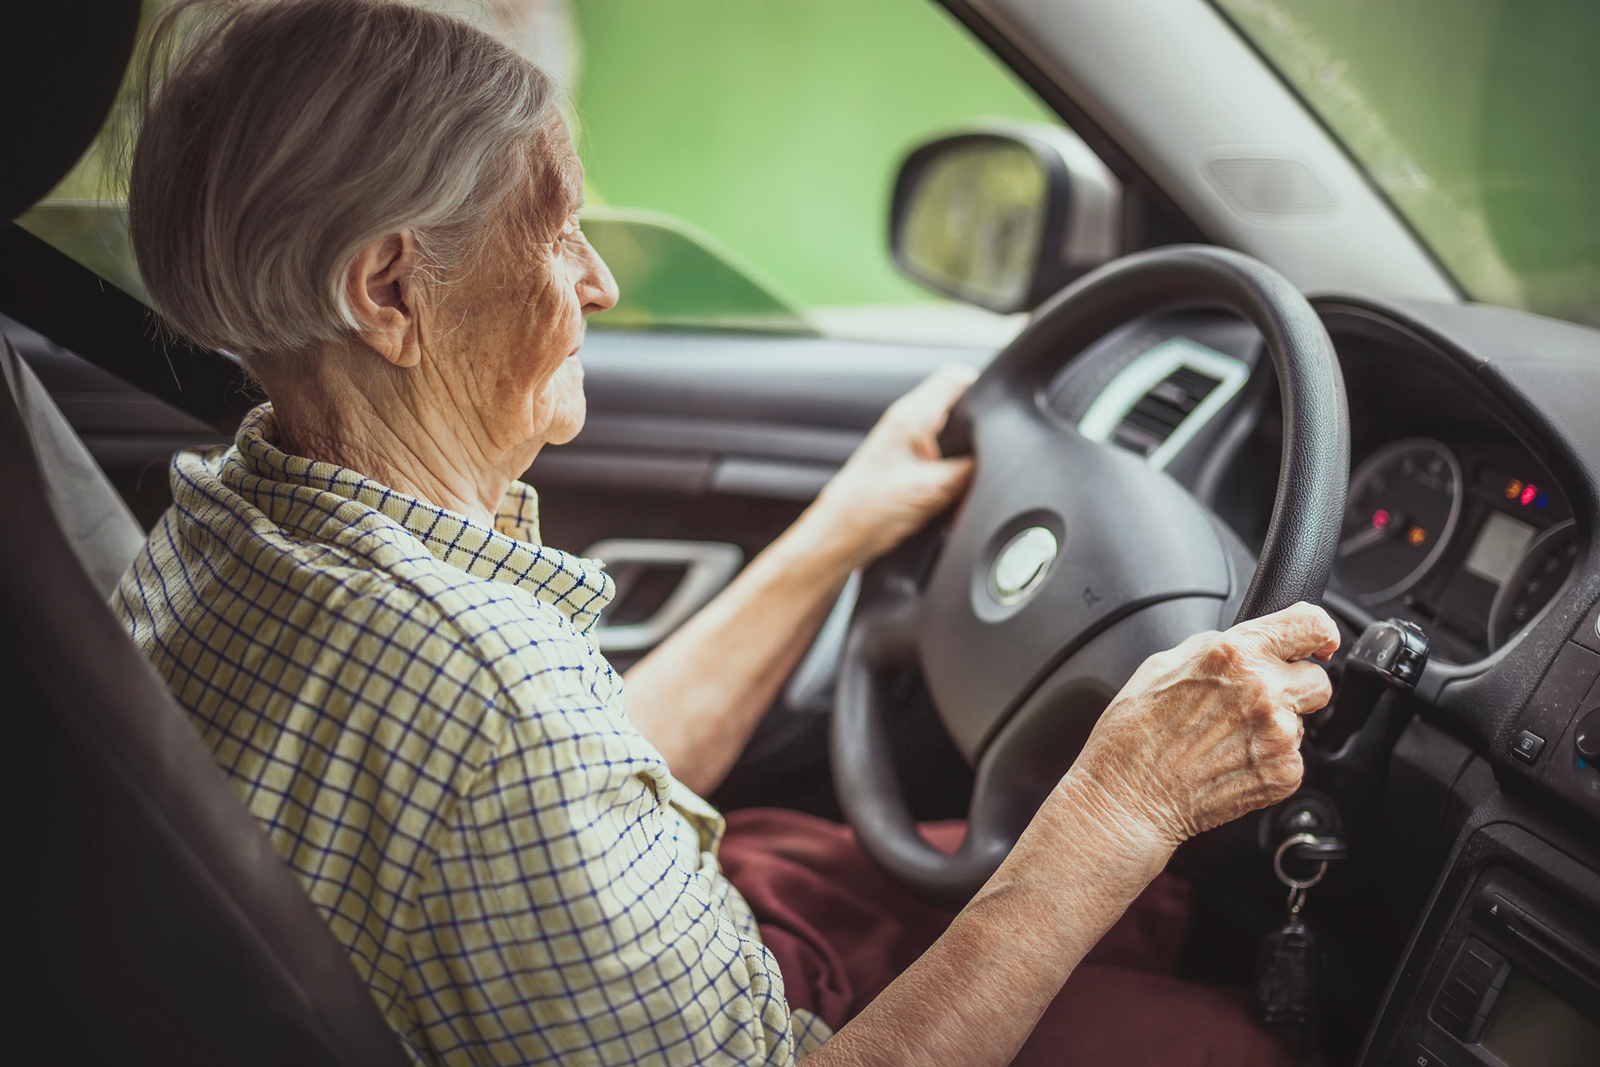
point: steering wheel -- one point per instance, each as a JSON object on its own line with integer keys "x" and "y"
{"x": 1069, "y": 562}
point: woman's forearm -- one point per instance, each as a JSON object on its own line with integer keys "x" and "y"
{"x": 974, "y": 997}
{"x": 698, "y": 695}
{"x": 1200, "y": 735}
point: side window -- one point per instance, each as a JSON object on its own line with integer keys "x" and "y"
{"x": 739, "y": 155}
{"x": 770, "y": 133}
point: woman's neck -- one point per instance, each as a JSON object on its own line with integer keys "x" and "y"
{"x": 413, "y": 444}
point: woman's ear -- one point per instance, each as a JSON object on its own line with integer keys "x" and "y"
{"x": 382, "y": 287}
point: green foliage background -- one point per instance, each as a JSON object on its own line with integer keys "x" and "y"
{"x": 777, "y": 127}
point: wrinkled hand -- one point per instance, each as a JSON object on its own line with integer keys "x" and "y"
{"x": 1210, "y": 730}
{"x": 896, "y": 480}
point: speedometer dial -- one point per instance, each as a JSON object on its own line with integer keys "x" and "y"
{"x": 1544, "y": 565}
{"x": 1402, "y": 507}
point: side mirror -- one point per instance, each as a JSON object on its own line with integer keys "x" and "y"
{"x": 1003, "y": 217}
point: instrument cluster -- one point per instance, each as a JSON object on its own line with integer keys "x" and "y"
{"x": 1472, "y": 543}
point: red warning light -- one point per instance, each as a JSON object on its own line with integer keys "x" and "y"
{"x": 1529, "y": 491}
{"x": 1380, "y": 518}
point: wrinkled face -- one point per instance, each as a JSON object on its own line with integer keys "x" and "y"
{"x": 509, "y": 329}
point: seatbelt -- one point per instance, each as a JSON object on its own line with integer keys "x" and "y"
{"x": 48, "y": 291}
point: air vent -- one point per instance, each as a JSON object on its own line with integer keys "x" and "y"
{"x": 1155, "y": 416}
{"x": 1157, "y": 403}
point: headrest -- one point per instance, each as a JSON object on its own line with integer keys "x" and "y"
{"x": 62, "y": 66}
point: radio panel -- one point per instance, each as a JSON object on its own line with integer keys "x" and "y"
{"x": 1518, "y": 984}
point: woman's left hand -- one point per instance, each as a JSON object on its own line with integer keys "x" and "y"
{"x": 700, "y": 693}
{"x": 896, "y": 481}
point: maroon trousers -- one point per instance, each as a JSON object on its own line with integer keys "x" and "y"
{"x": 841, "y": 932}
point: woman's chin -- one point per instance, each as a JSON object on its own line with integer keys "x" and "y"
{"x": 564, "y": 433}
{"x": 568, "y": 420}
{"x": 557, "y": 412}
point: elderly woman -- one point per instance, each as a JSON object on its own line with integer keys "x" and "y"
{"x": 376, "y": 207}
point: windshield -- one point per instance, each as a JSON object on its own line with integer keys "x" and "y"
{"x": 1479, "y": 118}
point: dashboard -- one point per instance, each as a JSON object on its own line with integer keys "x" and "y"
{"x": 1451, "y": 522}
{"x": 1473, "y": 496}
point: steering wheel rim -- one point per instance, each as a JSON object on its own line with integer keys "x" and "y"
{"x": 1017, "y": 684}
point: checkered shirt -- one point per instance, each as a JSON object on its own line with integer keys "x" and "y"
{"x": 410, "y": 704}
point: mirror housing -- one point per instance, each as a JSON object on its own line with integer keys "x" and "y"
{"x": 1004, "y": 216}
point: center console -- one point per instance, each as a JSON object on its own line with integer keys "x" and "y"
{"x": 1517, "y": 982}
{"x": 1505, "y": 971}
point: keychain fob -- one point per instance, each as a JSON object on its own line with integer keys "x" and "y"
{"x": 1288, "y": 976}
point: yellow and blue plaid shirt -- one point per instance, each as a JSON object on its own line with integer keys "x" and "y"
{"x": 409, "y": 703}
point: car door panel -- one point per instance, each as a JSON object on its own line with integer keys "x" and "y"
{"x": 726, "y": 438}
{"x": 716, "y": 437}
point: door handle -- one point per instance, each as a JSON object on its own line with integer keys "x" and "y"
{"x": 709, "y": 566}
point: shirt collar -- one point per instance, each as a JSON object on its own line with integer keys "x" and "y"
{"x": 510, "y": 552}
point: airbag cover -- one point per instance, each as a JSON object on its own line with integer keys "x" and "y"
{"x": 1126, "y": 535}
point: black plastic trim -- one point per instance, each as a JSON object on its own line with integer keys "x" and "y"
{"x": 48, "y": 291}
{"x": 1530, "y": 372}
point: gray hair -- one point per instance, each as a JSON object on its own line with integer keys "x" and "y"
{"x": 278, "y": 138}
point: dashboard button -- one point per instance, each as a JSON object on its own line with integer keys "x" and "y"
{"x": 1419, "y": 1056}
{"x": 1587, "y": 739}
{"x": 1527, "y": 746}
{"x": 1561, "y": 693}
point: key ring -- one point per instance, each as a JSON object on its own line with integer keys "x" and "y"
{"x": 1277, "y": 863}
{"x": 1297, "y": 886}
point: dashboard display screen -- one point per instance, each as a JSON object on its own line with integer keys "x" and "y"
{"x": 1500, "y": 544}
{"x": 1532, "y": 1027}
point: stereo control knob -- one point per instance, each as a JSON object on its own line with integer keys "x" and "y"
{"x": 1588, "y": 737}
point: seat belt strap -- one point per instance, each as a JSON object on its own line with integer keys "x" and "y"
{"x": 48, "y": 291}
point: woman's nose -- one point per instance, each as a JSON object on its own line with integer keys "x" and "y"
{"x": 597, "y": 289}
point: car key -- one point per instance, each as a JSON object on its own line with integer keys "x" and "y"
{"x": 1289, "y": 964}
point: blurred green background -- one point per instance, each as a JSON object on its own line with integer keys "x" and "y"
{"x": 778, "y": 127}
{"x": 740, "y": 153}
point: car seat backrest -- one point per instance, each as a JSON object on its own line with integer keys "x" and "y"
{"x": 97, "y": 524}
{"x": 151, "y": 919}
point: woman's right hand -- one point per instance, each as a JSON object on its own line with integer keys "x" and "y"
{"x": 1200, "y": 735}
{"x": 1210, "y": 730}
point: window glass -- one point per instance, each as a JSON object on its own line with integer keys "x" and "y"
{"x": 1479, "y": 118}
{"x": 740, "y": 155}
{"x": 777, "y": 128}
